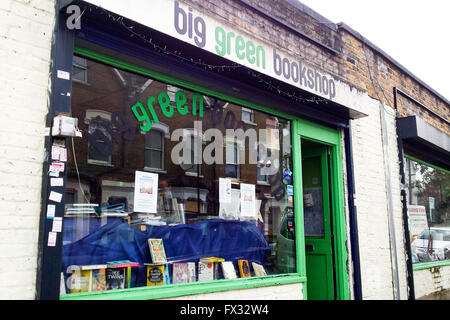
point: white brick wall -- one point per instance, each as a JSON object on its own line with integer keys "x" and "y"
{"x": 428, "y": 281}
{"x": 26, "y": 28}
{"x": 371, "y": 201}
{"x": 283, "y": 292}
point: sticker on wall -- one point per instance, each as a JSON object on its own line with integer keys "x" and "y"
{"x": 57, "y": 224}
{"x": 56, "y": 182}
{"x": 287, "y": 175}
{"x": 290, "y": 190}
{"x": 52, "y": 239}
{"x": 63, "y": 75}
{"x": 56, "y": 167}
{"x": 55, "y": 196}
{"x": 51, "y": 211}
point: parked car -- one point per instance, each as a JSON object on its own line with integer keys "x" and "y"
{"x": 433, "y": 244}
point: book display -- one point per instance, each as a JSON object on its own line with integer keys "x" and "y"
{"x": 164, "y": 176}
{"x": 229, "y": 272}
{"x": 244, "y": 269}
{"x": 259, "y": 270}
{"x": 155, "y": 274}
{"x": 157, "y": 252}
{"x": 88, "y": 278}
{"x": 118, "y": 274}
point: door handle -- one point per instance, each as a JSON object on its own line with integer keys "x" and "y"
{"x": 309, "y": 247}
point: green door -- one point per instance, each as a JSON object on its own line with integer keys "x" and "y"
{"x": 318, "y": 222}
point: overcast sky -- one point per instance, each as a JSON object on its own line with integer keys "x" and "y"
{"x": 414, "y": 33}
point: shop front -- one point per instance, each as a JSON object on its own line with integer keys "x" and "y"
{"x": 191, "y": 171}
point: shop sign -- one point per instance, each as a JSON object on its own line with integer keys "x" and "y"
{"x": 184, "y": 23}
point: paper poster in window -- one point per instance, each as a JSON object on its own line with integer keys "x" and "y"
{"x": 145, "y": 192}
{"x": 272, "y": 134}
{"x": 224, "y": 190}
{"x": 248, "y": 200}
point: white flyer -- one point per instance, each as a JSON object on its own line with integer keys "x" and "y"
{"x": 55, "y": 196}
{"x": 57, "y": 224}
{"x": 51, "y": 211}
{"x": 224, "y": 190}
{"x": 52, "y": 239}
{"x": 145, "y": 192}
{"x": 56, "y": 182}
{"x": 248, "y": 200}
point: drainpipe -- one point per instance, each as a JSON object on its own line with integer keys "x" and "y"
{"x": 352, "y": 213}
{"x": 409, "y": 269}
{"x": 390, "y": 205}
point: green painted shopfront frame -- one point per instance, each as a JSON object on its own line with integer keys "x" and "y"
{"x": 301, "y": 129}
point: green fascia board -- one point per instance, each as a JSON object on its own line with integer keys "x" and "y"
{"x": 177, "y": 290}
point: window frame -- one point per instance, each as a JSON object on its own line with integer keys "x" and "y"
{"x": 432, "y": 264}
{"x": 308, "y": 129}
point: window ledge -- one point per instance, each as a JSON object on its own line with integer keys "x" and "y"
{"x": 177, "y": 290}
{"x": 100, "y": 163}
{"x": 156, "y": 170}
{"x": 432, "y": 264}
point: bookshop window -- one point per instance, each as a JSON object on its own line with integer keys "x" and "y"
{"x": 428, "y": 193}
{"x": 172, "y": 206}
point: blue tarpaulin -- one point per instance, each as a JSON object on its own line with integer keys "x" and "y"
{"x": 117, "y": 240}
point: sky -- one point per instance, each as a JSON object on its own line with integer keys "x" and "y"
{"x": 414, "y": 33}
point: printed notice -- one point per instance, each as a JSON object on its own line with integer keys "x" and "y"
{"x": 145, "y": 192}
{"x": 59, "y": 153}
{"x": 248, "y": 200}
{"x": 57, "y": 224}
{"x": 55, "y": 196}
{"x": 57, "y": 167}
{"x": 63, "y": 75}
{"x": 51, "y": 211}
{"x": 56, "y": 182}
{"x": 224, "y": 190}
{"x": 52, "y": 239}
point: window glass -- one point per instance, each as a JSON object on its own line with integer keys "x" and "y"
{"x": 169, "y": 186}
{"x": 428, "y": 193}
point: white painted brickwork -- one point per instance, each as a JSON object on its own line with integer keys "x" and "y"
{"x": 372, "y": 204}
{"x": 283, "y": 292}
{"x": 431, "y": 280}
{"x": 26, "y": 28}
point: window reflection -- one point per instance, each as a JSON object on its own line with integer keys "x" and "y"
{"x": 200, "y": 211}
{"x": 428, "y": 211}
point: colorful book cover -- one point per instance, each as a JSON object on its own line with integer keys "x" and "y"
{"x": 80, "y": 280}
{"x": 192, "y": 273}
{"x": 205, "y": 271}
{"x": 259, "y": 270}
{"x": 98, "y": 281}
{"x": 229, "y": 272}
{"x": 244, "y": 269}
{"x": 180, "y": 272}
{"x": 155, "y": 274}
{"x": 211, "y": 259}
{"x": 122, "y": 264}
{"x": 157, "y": 252}
{"x": 115, "y": 278}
